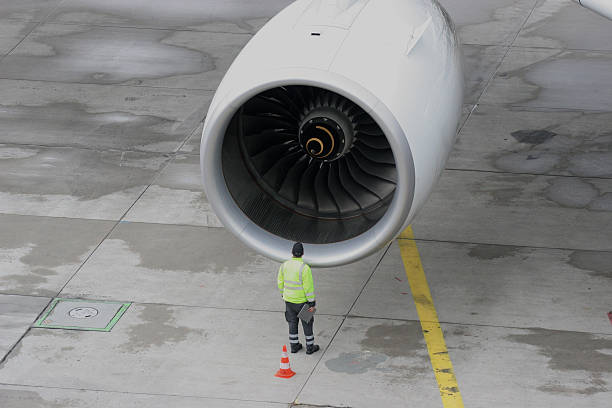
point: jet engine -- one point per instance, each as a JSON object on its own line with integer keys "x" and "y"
{"x": 332, "y": 126}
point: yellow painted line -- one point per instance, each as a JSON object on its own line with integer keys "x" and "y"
{"x": 438, "y": 353}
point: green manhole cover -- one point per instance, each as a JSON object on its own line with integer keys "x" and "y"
{"x": 81, "y": 314}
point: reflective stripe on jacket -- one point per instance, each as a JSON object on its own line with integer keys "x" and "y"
{"x": 295, "y": 281}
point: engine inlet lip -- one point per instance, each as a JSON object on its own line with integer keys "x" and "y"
{"x": 386, "y": 229}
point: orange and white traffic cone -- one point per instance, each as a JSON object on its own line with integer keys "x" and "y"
{"x": 285, "y": 369}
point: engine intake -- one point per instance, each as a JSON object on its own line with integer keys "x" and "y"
{"x": 309, "y": 165}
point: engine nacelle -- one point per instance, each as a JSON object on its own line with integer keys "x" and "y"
{"x": 332, "y": 126}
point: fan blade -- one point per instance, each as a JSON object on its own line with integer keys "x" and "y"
{"x": 278, "y": 172}
{"x": 266, "y": 104}
{"x": 306, "y": 196}
{"x": 267, "y": 158}
{"x": 371, "y": 129}
{"x": 353, "y": 111}
{"x": 334, "y": 100}
{"x": 256, "y": 143}
{"x": 327, "y": 99}
{"x": 325, "y": 203}
{"x": 363, "y": 118}
{"x": 359, "y": 193}
{"x": 375, "y": 142}
{"x": 286, "y": 98}
{"x": 291, "y": 185}
{"x": 310, "y": 97}
{"x": 295, "y": 92}
{"x": 374, "y": 155}
{"x": 376, "y": 185}
{"x": 318, "y": 99}
{"x": 282, "y": 96}
{"x": 259, "y": 123}
{"x": 344, "y": 200}
{"x": 382, "y": 171}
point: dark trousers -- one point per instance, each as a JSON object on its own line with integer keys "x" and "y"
{"x": 291, "y": 314}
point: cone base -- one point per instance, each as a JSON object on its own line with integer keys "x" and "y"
{"x": 288, "y": 373}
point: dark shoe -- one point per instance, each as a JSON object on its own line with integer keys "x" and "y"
{"x": 312, "y": 349}
{"x": 296, "y": 347}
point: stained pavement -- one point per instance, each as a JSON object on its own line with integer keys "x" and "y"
{"x": 101, "y": 111}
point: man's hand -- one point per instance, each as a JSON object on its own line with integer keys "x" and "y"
{"x": 311, "y": 309}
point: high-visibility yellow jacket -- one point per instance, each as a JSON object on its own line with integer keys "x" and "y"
{"x": 295, "y": 281}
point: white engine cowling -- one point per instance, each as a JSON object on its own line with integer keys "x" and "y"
{"x": 601, "y": 7}
{"x": 332, "y": 126}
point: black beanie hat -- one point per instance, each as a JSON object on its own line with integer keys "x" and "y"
{"x": 298, "y": 249}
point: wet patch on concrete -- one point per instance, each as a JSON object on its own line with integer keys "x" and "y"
{"x": 528, "y": 162}
{"x": 559, "y": 87}
{"x": 99, "y": 55}
{"x": 192, "y": 145}
{"x": 461, "y": 331}
{"x": 480, "y": 62}
{"x": 182, "y": 207}
{"x": 570, "y": 351}
{"x": 72, "y": 335}
{"x": 602, "y": 203}
{"x": 533, "y": 137}
{"x": 25, "y": 284}
{"x": 580, "y": 146}
{"x": 12, "y": 31}
{"x": 571, "y": 192}
{"x": 229, "y": 15}
{"x": 37, "y": 254}
{"x": 82, "y": 174}
{"x": 158, "y": 328}
{"x": 7, "y": 152}
{"x": 4, "y": 360}
{"x": 75, "y": 183}
{"x": 492, "y": 22}
{"x": 597, "y": 264}
{"x": 99, "y": 117}
{"x": 79, "y": 125}
{"x": 356, "y": 362}
{"x": 178, "y": 190}
{"x": 183, "y": 173}
{"x": 318, "y": 406}
{"x": 578, "y": 193}
{"x": 592, "y": 385}
{"x": 21, "y": 305}
{"x": 502, "y": 189}
{"x": 157, "y": 248}
{"x": 17, "y": 314}
{"x": 592, "y": 164}
{"x": 505, "y": 196}
{"x": 33, "y": 255}
{"x": 28, "y": 10}
{"x": 546, "y": 78}
{"x": 490, "y": 252}
{"x": 405, "y": 371}
{"x": 395, "y": 339}
{"x": 43, "y": 272}
{"x": 547, "y": 27}
{"x": 30, "y": 399}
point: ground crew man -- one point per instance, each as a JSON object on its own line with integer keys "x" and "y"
{"x": 297, "y": 289}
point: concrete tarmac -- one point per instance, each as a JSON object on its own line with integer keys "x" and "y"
{"x": 100, "y": 199}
